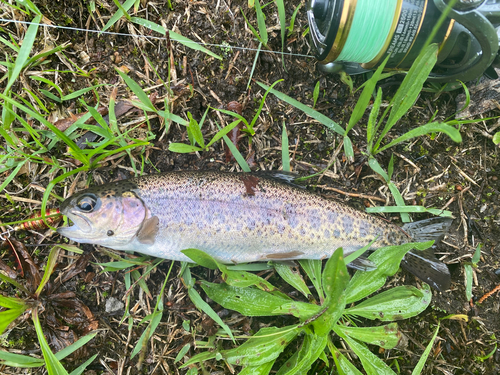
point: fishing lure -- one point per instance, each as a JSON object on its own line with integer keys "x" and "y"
{"x": 35, "y": 222}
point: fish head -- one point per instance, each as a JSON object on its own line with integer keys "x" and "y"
{"x": 106, "y": 215}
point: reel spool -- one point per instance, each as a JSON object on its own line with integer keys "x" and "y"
{"x": 357, "y": 35}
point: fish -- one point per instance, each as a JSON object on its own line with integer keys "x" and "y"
{"x": 239, "y": 218}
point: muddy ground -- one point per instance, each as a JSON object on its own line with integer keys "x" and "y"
{"x": 430, "y": 171}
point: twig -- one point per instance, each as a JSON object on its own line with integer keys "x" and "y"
{"x": 496, "y": 289}
{"x": 356, "y": 195}
{"x": 465, "y": 175}
{"x": 463, "y": 217}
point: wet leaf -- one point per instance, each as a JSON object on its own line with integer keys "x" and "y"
{"x": 387, "y": 336}
{"x": 300, "y": 363}
{"x": 394, "y": 304}
{"x": 387, "y": 260}
{"x": 265, "y": 346}
{"x": 344, "y": 366}
{"x": 372, "y": 364}
{"x": 247, "y": 301}
{"x": 231, "y": 277}
{"x": 263, "y": 369}
{"x": 335, "y": 279}
{"x": 313, "y": 271}
{"x": 293, "y": 277}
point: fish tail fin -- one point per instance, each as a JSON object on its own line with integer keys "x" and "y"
{"x": 424, "y": 264}
{"x": 427, "y": 230}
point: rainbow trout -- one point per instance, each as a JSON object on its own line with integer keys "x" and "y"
{"x": 237, "y": 218}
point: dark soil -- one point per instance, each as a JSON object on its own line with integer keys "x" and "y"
{"x": 430, "y": 171}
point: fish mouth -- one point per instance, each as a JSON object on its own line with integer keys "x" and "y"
{"x": 81, "y": 225}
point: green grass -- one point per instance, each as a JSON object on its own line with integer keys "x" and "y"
{"x": 325, "y": 310}
{"x": 329, "y": 310}
{"x": 14, "y": 307}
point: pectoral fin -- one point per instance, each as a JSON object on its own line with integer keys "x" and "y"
{"x": 147, "y": 234}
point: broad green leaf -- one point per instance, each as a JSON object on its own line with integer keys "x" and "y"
{"x": 247, "y": 301}
{"x": 293, "y": 277}
{"x": 167, "y": 115}
{"x": 372, "y": 364}
{"x": 8, "y": 316}
{"x": 394, "y": 304}
{"x": 201, "y": 258}
{"x": 387, "y": 260}
{"x": 280, "y": 4}
{"x": 300, "y": 363}
{"x": 12, "y": 302}
{"x": 477, "y": 254}
{"x": 432, "y": 127}
{"x": 182, "y": 352}
{"x": 335, "y": 279}
{"x": 61, "y": 354}
{"x": 349, "y": 151}
{"x": 316, "y": 93}
{"x": 344, "y": 366}
{"x": 236, "y": 278}
{"x": 330, "y": 124}
{"x": 203, "y": 306}
{"x": 301, "y": 310}
{"x": 265, "y": 346}
{"x": 387, "y": 336}
{"x": 77, "y": 93}
{"x": 263, "y": 369}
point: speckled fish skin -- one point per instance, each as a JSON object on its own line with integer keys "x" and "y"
{"x": 235, "y": 217}
{"x": 215, "y": 212}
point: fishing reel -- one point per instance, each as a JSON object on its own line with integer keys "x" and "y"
{"x": 357, "y": 35}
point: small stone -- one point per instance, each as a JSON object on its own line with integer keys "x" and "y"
{"x": 113, "y": 304}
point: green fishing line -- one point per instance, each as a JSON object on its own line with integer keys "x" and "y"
{"x": 370, "y": 28}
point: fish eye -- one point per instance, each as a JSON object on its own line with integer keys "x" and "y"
{"x": 87, "y": 203}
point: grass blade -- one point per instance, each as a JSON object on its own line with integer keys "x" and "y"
{"x": 330, "y": 124}
{"x": 24, "y": 52}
